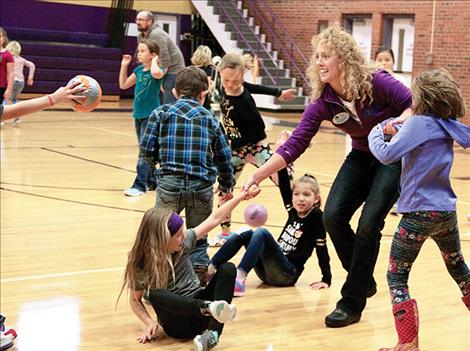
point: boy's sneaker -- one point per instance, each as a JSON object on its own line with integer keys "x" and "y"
{"x": 219, "y": 239}
{"x": 206, "y": 341}
{"x": 222, "y": 311}
{"x": 7, "y": 336}
{"x": 133, "y": 192}
{"x": 240, "y": 289}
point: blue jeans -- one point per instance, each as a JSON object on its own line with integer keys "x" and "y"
{"x": 145, "y": 172}
{"x": 196, "y": 197}
{"x": 18, "y": 87}
{"x": 362, "y": 179}
{"x": 263, "y": 253}
{"x": 168, "y": 85}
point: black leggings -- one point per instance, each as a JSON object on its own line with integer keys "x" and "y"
{"x": 181, "y": 317}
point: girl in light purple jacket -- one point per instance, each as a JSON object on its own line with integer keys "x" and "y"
{"x": 424, "y": 143}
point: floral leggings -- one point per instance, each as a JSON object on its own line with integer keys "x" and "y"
{"x": 257, "y": 155}
{"x": 413, "y": 230}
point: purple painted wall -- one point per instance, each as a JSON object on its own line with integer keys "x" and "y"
{"x": 53, "y": 16}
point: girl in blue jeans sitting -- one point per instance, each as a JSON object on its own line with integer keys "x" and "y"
{"x": 281, "y": 262}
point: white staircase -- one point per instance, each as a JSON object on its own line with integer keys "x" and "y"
{"x": 235, "y": 32}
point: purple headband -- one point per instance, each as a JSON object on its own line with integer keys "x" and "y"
{"x": 174, "y": 223}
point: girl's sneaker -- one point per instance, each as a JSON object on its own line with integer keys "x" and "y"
{"x": 206, "y": 341}
{"x": 239, "y": 290}
{"x": 7, "y": 336}
{"x": 222, "y": 311}
{"x": 219, "y": 239}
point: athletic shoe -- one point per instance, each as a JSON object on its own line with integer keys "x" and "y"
{"x": 222, "y": 311}
{"x": 7, "y": 336}
{"x": 219, "y": 239}
{"x": 240, "y": 288}
{"x": 206, "y": 341}
{"x": 133, "y": 192}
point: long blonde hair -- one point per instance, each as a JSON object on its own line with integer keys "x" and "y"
{"x": 355, "y": 71}
{"x": 150, "y": 255}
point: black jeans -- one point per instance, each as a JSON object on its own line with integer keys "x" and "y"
{"x": 362, "y": 179}
{"x": 181, "y": 317}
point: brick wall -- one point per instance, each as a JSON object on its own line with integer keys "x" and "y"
{"x": 451, "y": 31}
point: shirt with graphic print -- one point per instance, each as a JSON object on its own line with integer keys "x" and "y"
{"x": 241, "y": 119}
{"x": 301, "y": 235}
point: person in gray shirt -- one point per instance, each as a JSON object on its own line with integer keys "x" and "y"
{"x": 171, "y": 58}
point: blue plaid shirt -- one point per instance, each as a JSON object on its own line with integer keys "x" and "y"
{"x": 186, "y": 139}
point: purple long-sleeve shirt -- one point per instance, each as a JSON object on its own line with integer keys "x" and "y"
{"x": 389, "y": 99}
{"x": 425, "y": 146}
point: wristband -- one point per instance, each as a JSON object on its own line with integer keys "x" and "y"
{"x": 51, "y": 103}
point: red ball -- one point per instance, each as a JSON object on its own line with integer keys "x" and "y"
{"x": 255, "y": 215}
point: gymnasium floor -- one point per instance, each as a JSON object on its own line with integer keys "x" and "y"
{"x": 66, "y": 228}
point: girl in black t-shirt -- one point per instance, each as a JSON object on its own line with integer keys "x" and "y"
{"x": 242, "y": 121}
{"x": 281, "y": 262}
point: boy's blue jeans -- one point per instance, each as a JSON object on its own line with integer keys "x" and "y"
{"x": 196, "y": 197}
{"x": 145, "y": 172}
{"x": 263, "y": 253}
{"x": 362, "y": 180}
{"x": 168, "y": 85}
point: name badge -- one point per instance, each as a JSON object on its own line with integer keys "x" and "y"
{"x": 340, "y": 118}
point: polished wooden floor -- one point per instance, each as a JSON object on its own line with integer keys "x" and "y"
{"x": 66, "y": 229}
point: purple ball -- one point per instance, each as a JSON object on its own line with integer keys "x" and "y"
{"x": 255, "y": 215}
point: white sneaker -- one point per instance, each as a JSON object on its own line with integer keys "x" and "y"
{"x": 222, "y": 311}
{"x": 7, "y": 336}
{"x": 133, "y": 192}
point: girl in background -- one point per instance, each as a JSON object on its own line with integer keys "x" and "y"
{"x": 243, "y": 123}
{"x": 147, "y": 79}
{"x": 424, "y": 144}
{"x": 281, "y": 262}
{"x": 202, "y": 58}
{"x": 18, "y": 84}
{"x": 6, "y": 68}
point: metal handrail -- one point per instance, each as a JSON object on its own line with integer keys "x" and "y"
{"x": 239, "y": 33}
{"x": 279, "y": 24}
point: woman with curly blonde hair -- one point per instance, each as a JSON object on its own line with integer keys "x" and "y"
{"x": 354, "y": 96}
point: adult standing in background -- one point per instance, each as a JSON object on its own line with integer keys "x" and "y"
{"x": 171, "y": 58}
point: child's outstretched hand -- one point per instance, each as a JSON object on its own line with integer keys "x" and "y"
{"x": 287, "y": 94}
{"x": 319, "y": 285}
{"x": 126, "y": 60}
{"x": 66, "y": 94}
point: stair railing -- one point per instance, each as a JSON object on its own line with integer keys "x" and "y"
{"x": 259, "y": 45}
{"x": 277, "y": 23}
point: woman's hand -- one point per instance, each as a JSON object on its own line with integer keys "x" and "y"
{"x": 150, "y": 333}
{"x": 252, "y": 192}
{"x": 318, "y": 286}
{"x": 287, "y": 94}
